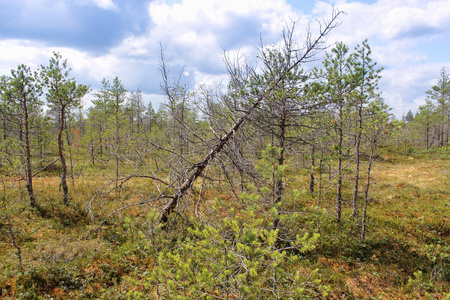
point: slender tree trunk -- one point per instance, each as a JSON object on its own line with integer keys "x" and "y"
{"x": 100, "y": 139}
{"x": 61, "y": 156}
{"x": 117, "y": 146}
{"x": 69, "y": 146}
{"x": 4, "y": 129}
{"x": 21, "y": 130}
{"x": 139, "y": 118}
{"x": 434, "y": 137}
{"x": 357, "y": 161}
{"x": 29, "y": 183}
{"x": 92, "y": 152}
{"x": 41, "y": 146}
{"x": 197, "y": 169}
{"x": 180, "y": 128}
{"x": 319, "y": 197}
{"x": 311, "y": 173}
{"x": 366, "y": 195}
{"x": 282, "y": 145}
{"x": 339, "y": 170}
{"x": 447, "y": 137}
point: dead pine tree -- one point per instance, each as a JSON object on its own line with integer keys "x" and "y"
{"x": 251, "y": 100}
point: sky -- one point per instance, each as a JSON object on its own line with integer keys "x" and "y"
{"x": 100, "y": 39}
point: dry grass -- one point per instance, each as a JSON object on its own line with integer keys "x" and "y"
{"x": 409, "y": 209}
{"x": 429, "y": 174}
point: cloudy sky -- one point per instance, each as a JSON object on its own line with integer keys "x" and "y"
{"x": 410, "y": 39}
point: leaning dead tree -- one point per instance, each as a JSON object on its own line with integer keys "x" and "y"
{"x": 180, "y": 149}
{"x": 250, "y": 101}
{"x": 198, "y": 168}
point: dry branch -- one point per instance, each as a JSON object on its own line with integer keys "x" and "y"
{"x": 311, "y": 48}
{"x": 198, "y": 168}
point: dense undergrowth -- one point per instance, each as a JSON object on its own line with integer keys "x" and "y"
{"x": 221, "y": 247}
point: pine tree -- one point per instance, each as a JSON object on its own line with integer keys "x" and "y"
{"x": 339, "y": 86}
{"x": 366, "y": 78}
{"x": 21, "y": 92}
{"x": 440, "y": 93}
{"x": 63, "y": 95}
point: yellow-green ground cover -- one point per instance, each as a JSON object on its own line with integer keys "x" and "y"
{"x": 406, "y": 253}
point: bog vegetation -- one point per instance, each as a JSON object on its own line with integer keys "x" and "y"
{"x": 291, "y": 181}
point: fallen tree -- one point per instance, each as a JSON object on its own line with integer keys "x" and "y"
{"x": 311, "y": 49}
{"x": 251, "y": 90}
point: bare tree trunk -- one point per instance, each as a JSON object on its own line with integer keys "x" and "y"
{"x": 70, "y": 157}
{"x": 100, "y": 132}
{"x": 433, "y": 138}
{"x": 339, "y": 170}
{"x": 319, "y": 197}
{"x": 198, "y": 168}
{"x": 4, "y": 129}
{"x": 282, "y": 145}
{"x": 41, "y": 147}
{"x": 366, "y": 196}
{"x": 447, "y": 137}
{"x": 29, "y": 183}
{"x": 92, "y": 152}
{"x": 21, "y": 131}
{"x": 405, "y": 151}
{"x": 117, "y": 120}
{"x": 311, "y": 173}
{"x": 312, "y": 47}
{"x": 61, "y": 156}
{"x": 357, "y": 161}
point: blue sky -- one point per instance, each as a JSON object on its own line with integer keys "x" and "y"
{"x": 410, "y": 39}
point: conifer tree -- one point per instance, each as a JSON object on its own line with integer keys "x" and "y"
{"x": 366, "y": 78}
{"x": 112, "y": 98}
{"x": 20, "y": 93}
{"x": 440, "y": 93}
{"x": 339, "y": 85}
{"x": 63, "y": 95}
{"x": 378, "y": 127}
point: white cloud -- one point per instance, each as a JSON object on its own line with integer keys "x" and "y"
{"x": 395, "y": 30}
{"x": 103, "y": 4}
{"x": 15, "y": 52}
{"x": 84, "y": 67}
{"x": 388, "y": 20}
{"x": 197, "y": 30}
{"x": 194, "y": 33}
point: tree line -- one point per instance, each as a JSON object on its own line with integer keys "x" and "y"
{"x": 430, "y": 125}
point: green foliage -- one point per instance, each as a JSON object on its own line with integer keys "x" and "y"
{"x": 268, "y": 165}
{"x": 237, "y": 257}
{"x": 63, "y": 93}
